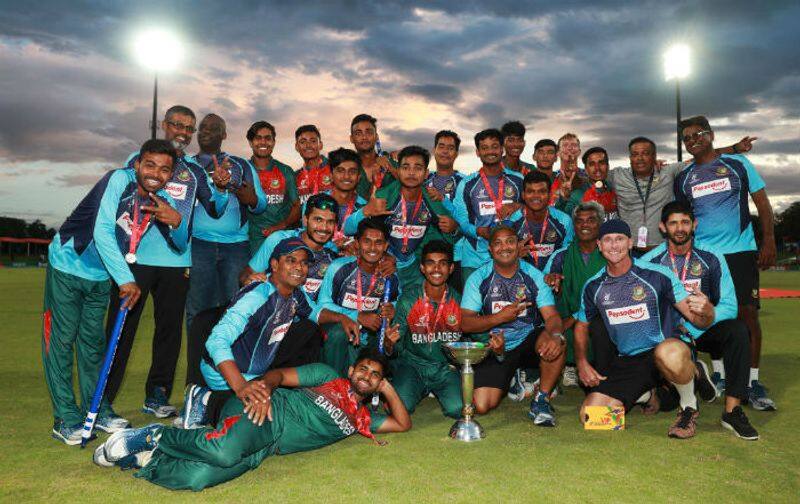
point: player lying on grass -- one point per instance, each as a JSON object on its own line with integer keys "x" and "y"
{"x": 293, "y": 410}
{"x": 629, "y": 304}
{"x": 428, "y": 316}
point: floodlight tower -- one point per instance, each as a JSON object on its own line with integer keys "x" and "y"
{"x": 157, "y": 50}
{"x": 676, "y": 66}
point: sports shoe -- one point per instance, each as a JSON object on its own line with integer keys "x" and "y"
{"x": 685, "y": 424}
{"x": 570, "y": 378}
{"x": 194, "y": 407}
{"x": 535, "y": 389}
{"x": 99, "y": 457}
{"x": 112, "y": 423}
{"x": 519, "y": 388}
{"x": 703, "y": 386}
{"x": 131, "y": 441}
{"x": 541, "y": 412}
{"x": 719, "y": 383}
{"x": 758, "y": 398}
{"x": 158, "y": 405}
{"x": 67, "y": 434}
{"x": 737, "y": 422}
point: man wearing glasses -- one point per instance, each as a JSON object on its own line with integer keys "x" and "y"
{"x": 717, "y": 187}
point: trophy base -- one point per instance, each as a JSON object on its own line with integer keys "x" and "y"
{"x": 467, "y": 430}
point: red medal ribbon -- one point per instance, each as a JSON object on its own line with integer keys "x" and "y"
{"x": 406, "y": 229}
{"x": 359, "y": 297}
{"x": 430, "y": 328}
{"x": 339, "y": 233}
{"x": 682, "y": 276}
{"x": 137, "y": 228}
{"x": 534, "y": 253}
{"x": 498, "y": 201}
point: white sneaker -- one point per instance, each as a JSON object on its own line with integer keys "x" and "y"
{"x": 570, "y": 378}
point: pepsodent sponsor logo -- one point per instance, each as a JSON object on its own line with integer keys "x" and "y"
{"x": 312, "y": 285}
{"x": 497, "y": 306}
{"x": 177, "y": 191}
{"x": 487, "y": 207}
{"x": 713, "y": 187}
{"x": 544, "y": 249}
{"x": 351, "y": 301}
{"x": 628, "y": 314}
{"x": 414, "y": 232}
{"x": 692, "y": 285}
{"x": 279, "y": 332}
{"x": 124, "y": 222}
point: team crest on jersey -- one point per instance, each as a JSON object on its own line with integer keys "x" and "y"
{"x": 754, "y": 293}
{"x": 696, "y": 269}
{"x": 379, "y": 289}
{"x": 183, "y": 176}
{"x": 424, "y": 216}
{"x": 551, "y": 235}
{"x": 326, "y": 179}
{"x": 322, "y": 269}
{"x": 452, "y": 320}
{"x": 449, "y": 186}
{"x": 509, "y": 192}
{"x": 274, "y": 183}
{"x": 693, "y": 178}
{"x": 721, "y": 171}
{"x": 607, "y": 298}
{"x": 520, "y": 292}
{"x": 638, "y": 293}
{"x": 495, "y": 290}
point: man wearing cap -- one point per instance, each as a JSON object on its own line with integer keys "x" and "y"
{"x": 509, "y": 299}
{"x": 629, "y": 304}
{"x": 251, "y": 337}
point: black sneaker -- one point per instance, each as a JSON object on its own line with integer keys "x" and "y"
{"x": 703, "y": 386}
{"x": 737, "y": 422}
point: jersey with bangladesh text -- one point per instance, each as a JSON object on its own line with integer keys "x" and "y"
{"x": 426, "y": 325}
{"x": 251, "y": 330}
{"x": 488, "y": 292}
{"x": 718, "y": 192}
{"x": 637, "y": 307}
{"x": 277, "y": 182}
{"x": 312, "y": 181}
{"x": 554, "y": 233}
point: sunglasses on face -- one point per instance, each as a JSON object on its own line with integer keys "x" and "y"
{"x": 182, "y": 127}
{"x": 695, "y": 136}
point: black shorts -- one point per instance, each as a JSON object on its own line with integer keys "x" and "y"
{"x": 744, "y": 271}
{"x": 628, "y": 377}
{"x": 496, "y": 374}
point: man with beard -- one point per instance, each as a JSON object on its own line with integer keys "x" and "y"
{"x": 90, "y": 247}
{"x": 706, "y": 271}
{"x": 595, "y": 160}
{"x": 509, "y": 299}
{"x": 315, "y": 174}
{"x": 219, "y": 246}
{"x": 630, "y": 305}
{"x": 545, "y": 153}
{"x": 568, "y": 270}
{"x": 277, "y": 182}
{"x": 411, "y": 215}
{"x": 514, "y": 144}
{"x": 291, "y": 410}
{"x": 377, "y": 167}
{"x": 485, "y": 199}
{"x": 570, "y": 183}
{"x": 717, "y": 186}
{"x": 354, "y": 286}
{"x": 541, "y": 229}
{"x": 163, "y": 270}
{"x": 428, "y": 316}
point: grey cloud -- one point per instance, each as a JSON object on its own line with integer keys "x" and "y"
{"x": 436, "y": 92}
{"x": 400, "y": 138}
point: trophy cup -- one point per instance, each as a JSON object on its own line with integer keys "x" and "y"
{"x": 466, "y": 353}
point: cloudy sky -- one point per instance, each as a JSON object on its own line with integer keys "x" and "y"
{"x": 74, "y": 103}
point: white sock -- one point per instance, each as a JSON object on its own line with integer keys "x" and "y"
{"x": 644, "y": 398}
{"x": 753, "y": 374}
{"x": 686, "y": 391}
{"x": 718, "y": 367}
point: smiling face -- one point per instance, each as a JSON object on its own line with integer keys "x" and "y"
{"x": 153, "y": 171}
{"x": 490, "y": 150}
{"x": 569, "y": 150}
{"x": 263, "y": 143}
{"x": 615, "y": 247}
{"x": 345, "y": 176}
{"x": 412, "y": 171}
{"x": 211, "y": 133}
{"x": 514, "y": 145}
{"x": 363, "y": 135}
{"x": 643, "y": 159}
{"x": 587, "y": 225}
{"x": 504, "y": 247}
{"x": 445, "y": 152}
{"x": 536, "y": 196}
{"x": 290, "y": 269}
{"x": 178, "y": 129}
{"x": 371, "y": 246}
{"x": 679, "y": 228}
{"x": 436, "y": 268}
{"x": 697, "y": 140}
{"x": 308, "y": 145}
{"x": 597, "y": 166}
{"x": 320, "y": 225}
{"x": 365, "y": 377}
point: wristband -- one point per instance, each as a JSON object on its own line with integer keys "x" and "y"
{"x": 560, "y": 336}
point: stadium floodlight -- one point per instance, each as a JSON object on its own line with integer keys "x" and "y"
{"x": 677, "y": 66}
{"x": 158, "y": 50}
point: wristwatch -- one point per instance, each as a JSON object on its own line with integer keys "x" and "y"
{"x": 561, "y": 337}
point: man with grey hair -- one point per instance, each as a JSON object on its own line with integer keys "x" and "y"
{"x": 568, "y": 270}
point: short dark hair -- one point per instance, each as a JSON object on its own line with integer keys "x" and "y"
{"x": 536, "y": 177}
{"x": 594, "y": 150}
{"x": 641, "y": 139}
{"x": 674, "y": 207}
{"x": 259, "y": 125}
{"x": 363, "y": 118}
{"x": 447, "y": 133}
{"x": 545, "y": 142}
{"x": 438, "y": 247}
{"x": 321, "y": 201}
{"x": 513, "y": 128}
{"x": 340, "y": 155}
{"x": 372, "y": 353}
{"x": 306, "y": 128}
{"x": 698, "y": 120}
{"x": 414, "y": 150}
{"x": 488, "y": 133}
{"x": 158, "y": 146}
{"x": 179, "y": 109}
{"x": 372, "y": 223}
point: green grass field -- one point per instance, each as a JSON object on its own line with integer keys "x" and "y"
{"x": 516, "y": 461}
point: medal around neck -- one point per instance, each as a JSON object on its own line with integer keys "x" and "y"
{"x": 130, "y": 258}
{"x": 466, "y": 353}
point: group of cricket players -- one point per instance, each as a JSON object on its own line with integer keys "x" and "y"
{"x": 317, "y": 301}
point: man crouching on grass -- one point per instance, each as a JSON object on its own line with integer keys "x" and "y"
{"x": 297, "y": 409}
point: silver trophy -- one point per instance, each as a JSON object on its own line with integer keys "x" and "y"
{"x": 466, "y": 353}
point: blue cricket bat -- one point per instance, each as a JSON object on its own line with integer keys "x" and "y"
{"x": 387, "y": 287}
